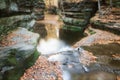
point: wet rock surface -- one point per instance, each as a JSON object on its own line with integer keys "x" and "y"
{"x": 9, "y": 8}
{"x": 106, "y": 60}
{"x": 105, "y": 48}
{"x": 75, "y": 65}
{"x": 70, "y": 62}
{"x": 73, "y": 60}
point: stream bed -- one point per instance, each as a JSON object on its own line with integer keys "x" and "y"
{"x": 56, "y": 44}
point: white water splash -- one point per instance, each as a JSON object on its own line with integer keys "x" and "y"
{"x": 52, "y": 46}
{"x": 57, "y": 32}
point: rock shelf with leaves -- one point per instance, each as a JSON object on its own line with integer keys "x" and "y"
{"x": 17, "y": 44}
{"x": 16, "y": 49}
{"x": 19, "y": 13}
{"x": 77, "y": 14}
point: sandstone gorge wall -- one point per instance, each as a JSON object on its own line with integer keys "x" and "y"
{"x": 19, "y": 13}
{"x": 17, "y": 43}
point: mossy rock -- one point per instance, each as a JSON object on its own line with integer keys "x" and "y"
{"x": 108, "y": 26}
{"x": 2, "y": 4}
{"x": 74, "y": 21}
{"x": 18, "y": 71}
{"x": 8, "y": 24}
{"x": 14, "y": 59}
{"x": 73, "y": 28}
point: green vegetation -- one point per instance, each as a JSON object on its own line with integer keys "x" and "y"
{"x": 4, "y": 30}
{"x": 18, "y": 70}
{"x": 12, "y": 58}
{"x": 31, "y": 60}
{"x": 91, "y": 31}
{"x": 73, "y": 28}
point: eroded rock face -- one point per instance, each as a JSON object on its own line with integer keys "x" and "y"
{"x": 17, "y": 47}
{"x": 19, "y": 13}
{"x": 10, "y": 23}
{"x": 109, "y": 22}
{"x": 21, "y": 45}
{"x": 39, "y": 10}
{"x": 76, "y": 15}
{"x": 108, "y": 18}
{"x": 12, "y": 7}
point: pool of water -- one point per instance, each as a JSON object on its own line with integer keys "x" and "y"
{"x": 54, "y": 38}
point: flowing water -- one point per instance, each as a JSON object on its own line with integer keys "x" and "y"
{"x": 54, "y": 38}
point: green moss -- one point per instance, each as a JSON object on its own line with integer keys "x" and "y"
{"x": 74, "y": 21}
{"x": 31, "y": 60}
{"x": 20, "y": 68}
{"x": 91, "y": 31}
{"x": 73, "y": 28}
{"x": 8, "y": 24}
{"x": 12, "y": 58}
{"x": 4, "y": 30}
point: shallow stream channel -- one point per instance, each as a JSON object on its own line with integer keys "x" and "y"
{"x": 56, "y": 44}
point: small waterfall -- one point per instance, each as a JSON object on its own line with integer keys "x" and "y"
{"x": 56, "y": 45}
{"x": 57, "y": 32}
{"x": 52, "y": 45}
